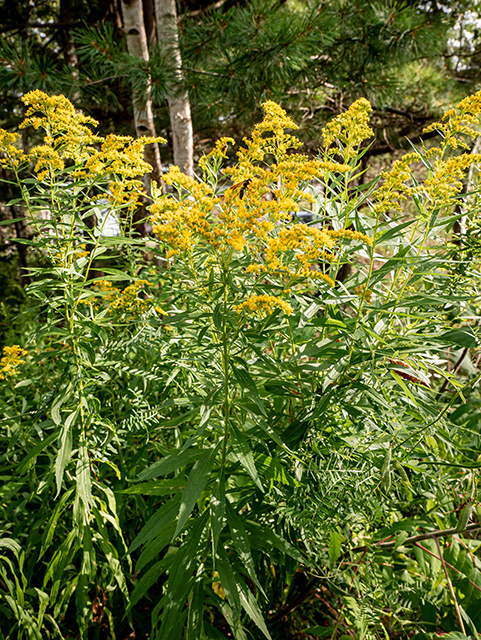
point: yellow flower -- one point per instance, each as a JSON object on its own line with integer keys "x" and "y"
{"x": 126, "y": 301}
{"x": 263, "y": 305}
{"x": 68, "y": 136}
{"x": 218, "y": 152}
{"x": 8, "y": 148}
{"x": 459, "y": 122}
{"x": 12, "y": 358}
{"x": 161, "y": 311}
{"x": 254, "y": 215}
{"x": 349, "y": 129}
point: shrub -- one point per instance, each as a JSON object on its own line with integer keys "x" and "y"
{"x": 208, "y": 430}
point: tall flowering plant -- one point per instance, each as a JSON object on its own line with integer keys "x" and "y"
{"x": 72, "y": 184}
{"x": 237, "y": 407}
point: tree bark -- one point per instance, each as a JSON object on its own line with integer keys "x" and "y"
{"x": 179, "y": 104}
{"x": 133, "y": 17}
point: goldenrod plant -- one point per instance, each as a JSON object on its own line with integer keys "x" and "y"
{"x": 249, "y": 427}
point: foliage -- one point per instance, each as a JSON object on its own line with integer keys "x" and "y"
{"x": 410, "y": 60}
{"x": 255, "y": 415}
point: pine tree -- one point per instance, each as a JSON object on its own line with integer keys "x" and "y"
{"x": 313, "y": 57}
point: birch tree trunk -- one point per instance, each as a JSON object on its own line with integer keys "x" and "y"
{"x": 134, "y": 27}
{"x": 179, "y": 104}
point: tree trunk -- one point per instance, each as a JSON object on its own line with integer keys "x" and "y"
{"x": 134, "y": 27}
{"x": 179, "y": 105}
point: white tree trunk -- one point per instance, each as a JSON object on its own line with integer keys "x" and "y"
{"x": 134, "y": 27}
{"x": 179, "y": 104}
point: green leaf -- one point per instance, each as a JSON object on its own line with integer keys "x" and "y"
{"x": 195, "y": 485}
{"x": 251, "y": 607}
{"x": 320, "y": 632}
{"x": 149, "y": 579}
{"x": 217, "y": 507}
{"x": 334, "y": 546}
{"x": 462, "y": 337}
{"x": 155, "y": 487}
{"x": 246, "y": 382}
{"x": 155, "y": 546}
{"x": 242, "y": 452}
{"x": 181, "y": 581}
{"x": 263, "y": 538}
{"x": 228, "y": 579}
{"x": 170, "y": 463}
{"x": 54, "y": 518}
{"x": 393, "y": 231}
{"x": 37, "y": 449}
{"x": 196, "y": 607}
{"x": 464, "y": 517}
{"x": 84, "y": 482}
{"x": 160, "y": 519}
{"x": 274, "y": 469}
{"x": 241, "y": 543}
{"x": 65, "y": 450}
{"x": 110, "y": 553}
{"x": 12, "y": 545}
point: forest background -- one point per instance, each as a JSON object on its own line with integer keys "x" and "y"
{"x": 200, "y": 444}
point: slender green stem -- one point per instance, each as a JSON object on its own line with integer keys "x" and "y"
{"x": 225, "y": 355}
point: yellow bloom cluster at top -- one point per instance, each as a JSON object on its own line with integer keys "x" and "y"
{"x": 459, "y": 122}
{"x": 69, "y": 140}
{"x": 13, "y": 154}
{"x": 12, "y": 358}
{"x": 446, "y": 172}
{"x": 267, "y": 187}
{"x": 348, "y": 130}
{"x": 255, "y": 214}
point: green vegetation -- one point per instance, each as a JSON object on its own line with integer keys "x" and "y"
{"x": 253, "y": 427}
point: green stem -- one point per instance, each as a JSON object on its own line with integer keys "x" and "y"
{"x": 225, "y": 366}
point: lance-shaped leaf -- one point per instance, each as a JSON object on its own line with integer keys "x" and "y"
{"x": 65, "y": 449}
{"x": 160, "y": 519}
{"x": 217, "y": 507}
{"x": 84, "y": 482}
{"x": 169, "y": 464}
{"x": 243, "y": 453}
{"x": 241, "y": 542}
{"x": 195, "y": 485}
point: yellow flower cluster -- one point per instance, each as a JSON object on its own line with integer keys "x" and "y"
{"x": 309, "y": 245}
{"x": 12, "y": 358}
{"x": 255, "y": 214}
{"x": 216, "y": 155}
{"x": 263, "y": 305}
{"x": 348, "y": 130}
{"x": 8, "y": 149}
{"x": 459, "y": 122}
{"x": 445, "y": 180}
{"x": 446, "y": 174}
{"x": 68, "y": 137}
{"x": 261, "y": 198}
{"x": 126, "y": 301}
